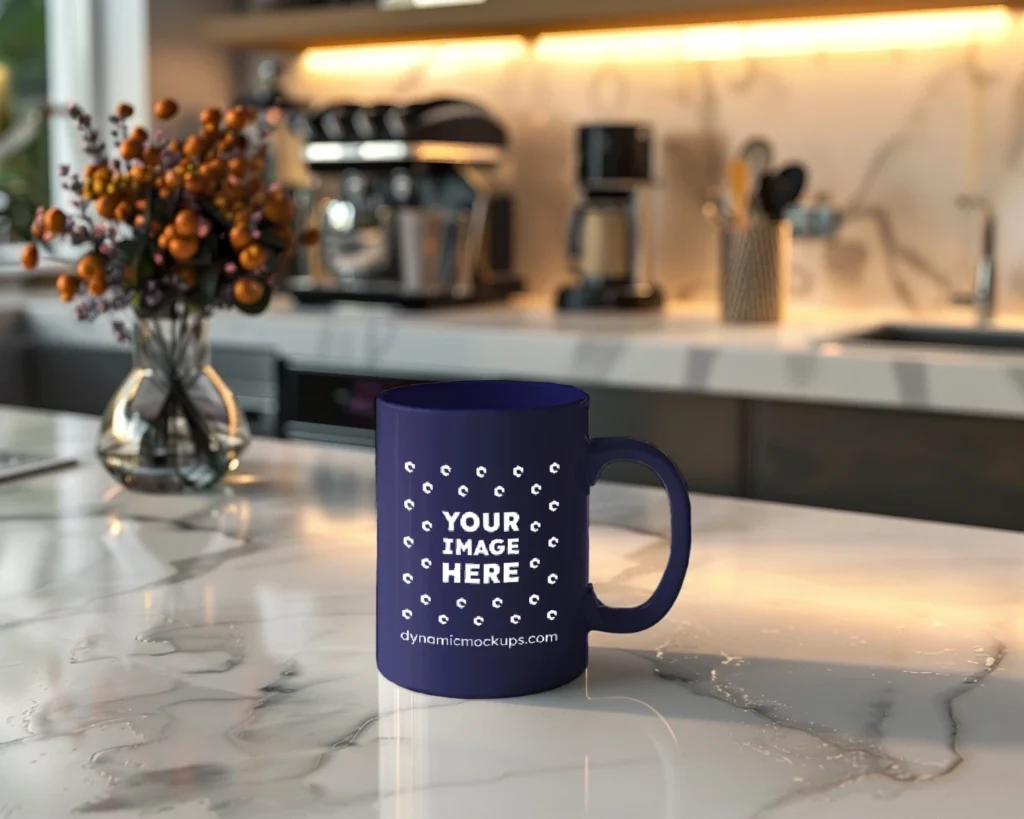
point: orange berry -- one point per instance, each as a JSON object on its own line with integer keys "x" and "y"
{"x": 140, "y": 220}
{"x": 193, "y": 146}
{"x": 124, "y": 212}
{"x": 131, "y": 149}
{"x": 98, "y": 285}
{"x": 248, "y": 290}
{"x": 212, "y": 168}
{"x": 105, "y": 206}
{"x": 209, "y": 115}
{"x": 186, "y": 223}
{"x": 67, "y": 286}
{"x": 54, "y": 220}
{"x": 253, "y": 257}
{"x": 235, "y": 119}
{"x": 165, "y": 108}
{"x": 29, "y": 256}
{"x": 183, "y": 249}
{"x": 91, "y": 266}
{"x": 124, "y": 110}
{"x": 240, "y": 237}
{"x": 278, "y": 209}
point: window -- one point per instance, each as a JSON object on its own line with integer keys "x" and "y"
{"x": 24, "y": 172}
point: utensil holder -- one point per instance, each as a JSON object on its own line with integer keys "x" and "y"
{"x": 755, "y": 264}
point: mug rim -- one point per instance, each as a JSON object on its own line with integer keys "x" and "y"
{"x": 404, "y": 397}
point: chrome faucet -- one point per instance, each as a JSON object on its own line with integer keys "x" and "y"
{"x": 984, "y": 296}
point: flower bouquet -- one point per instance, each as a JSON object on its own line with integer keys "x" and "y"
{"x": 170, "y": 230}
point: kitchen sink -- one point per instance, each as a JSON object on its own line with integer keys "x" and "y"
{"x": 978, "y": 338}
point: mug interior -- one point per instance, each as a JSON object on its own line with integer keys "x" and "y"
{"x": 483, "y": 395}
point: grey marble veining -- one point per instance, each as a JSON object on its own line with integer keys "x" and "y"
{"x": 198, "y": 657}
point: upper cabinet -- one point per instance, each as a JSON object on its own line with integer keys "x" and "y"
{"x": 295, "y": 28}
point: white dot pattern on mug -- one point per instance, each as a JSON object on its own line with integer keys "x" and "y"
{"x": 467, "y": 609}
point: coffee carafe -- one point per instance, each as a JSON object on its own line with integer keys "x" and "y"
{"x": 605, "y": 243}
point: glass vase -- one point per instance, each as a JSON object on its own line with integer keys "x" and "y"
{"x": 173, "y": 425}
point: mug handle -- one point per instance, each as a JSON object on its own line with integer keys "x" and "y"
{"x": 597, "y": 615}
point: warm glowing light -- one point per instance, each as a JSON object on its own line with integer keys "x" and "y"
{"x": 399, "y": 57}
{"x": 232, "y": 464}
{"x": 399, "y": 5}
{"x": 115, "y": 528}
{"x": 785, "y": 38}
{"x": 209, "y": 604}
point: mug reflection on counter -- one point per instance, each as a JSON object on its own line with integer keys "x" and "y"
{"x": 575, "y": 751}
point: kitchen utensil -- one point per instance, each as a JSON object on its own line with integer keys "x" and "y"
{"x": 797, "y": 177}
{"x": 482, "y": 538}
{"x": 738, "y": 180}
{"x": 759, "y": 155}
{"x": 778, "y": 191}
{"x": 755, "y": 267}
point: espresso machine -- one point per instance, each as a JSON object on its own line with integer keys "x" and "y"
{"x": 604, "y": 244}
{"x": 412, "y": 206}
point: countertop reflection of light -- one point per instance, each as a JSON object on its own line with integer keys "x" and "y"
{"x": 399, "y": 57}
{"x": 783, "y": 38}
{"x": 401, "y": 5}
{"x": 209, "y": 604}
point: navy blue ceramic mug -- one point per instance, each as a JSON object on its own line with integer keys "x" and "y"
{"x": 482, "y": 541}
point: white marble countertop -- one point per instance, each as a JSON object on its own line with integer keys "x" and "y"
{"x": 213, "y": 657}
{"x": 682, "y": 349}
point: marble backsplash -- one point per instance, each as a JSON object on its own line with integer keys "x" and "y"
{"x": 886, "y": 136}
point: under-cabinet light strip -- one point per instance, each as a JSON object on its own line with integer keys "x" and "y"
{"x": 896, "y": 31}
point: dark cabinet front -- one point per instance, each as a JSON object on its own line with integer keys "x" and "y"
{"x": 324, "y": 406}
